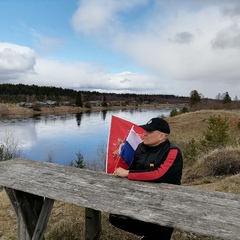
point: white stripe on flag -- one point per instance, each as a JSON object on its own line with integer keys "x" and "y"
{"x": 133, "y": 139}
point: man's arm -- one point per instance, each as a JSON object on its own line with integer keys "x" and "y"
{"x": 170, "y": 166}
{"x": 157, "y": 173}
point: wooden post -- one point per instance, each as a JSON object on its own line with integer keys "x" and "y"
{"x": 92, "y": 224}
{"x": 32, "y": 212}
{"x": 43, "y": 219}
{"x": 22, "y": 231}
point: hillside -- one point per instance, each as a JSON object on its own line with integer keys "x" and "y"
{"x": 69, "y": 219}
{"x": 192, "y": 124}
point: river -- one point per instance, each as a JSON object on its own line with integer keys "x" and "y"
{"x": 59, "y": 138}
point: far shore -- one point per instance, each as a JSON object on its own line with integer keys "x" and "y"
{"x": 8, "y": 110}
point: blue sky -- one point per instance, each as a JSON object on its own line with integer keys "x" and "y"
{"x": 137, "y": 46}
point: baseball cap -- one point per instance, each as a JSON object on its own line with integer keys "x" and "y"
{"x": 156, "y": 124}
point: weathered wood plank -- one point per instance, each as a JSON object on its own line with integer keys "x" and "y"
{"x": 195, "y": 210}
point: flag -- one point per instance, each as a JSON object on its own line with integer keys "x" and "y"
{"x": 127, "y": 152}
{"x": 124, "y": 137}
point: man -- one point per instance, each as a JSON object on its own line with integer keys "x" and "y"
{"x": 156, "y": 159}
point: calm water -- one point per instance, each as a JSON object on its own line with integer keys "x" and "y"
{"x": 61, "y": 137}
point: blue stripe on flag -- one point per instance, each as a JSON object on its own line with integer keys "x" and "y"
{"x": 127, "y": 153}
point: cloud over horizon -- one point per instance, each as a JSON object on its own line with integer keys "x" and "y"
{"x": 15, "y": 60}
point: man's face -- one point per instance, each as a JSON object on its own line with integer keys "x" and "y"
{"x": 153, "y": 138}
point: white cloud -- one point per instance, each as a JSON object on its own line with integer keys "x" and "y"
{"x": 82, "y": 75}
{"x": 15, "y": 60}
{"x": 95, "y": 16}
{"x": 20, "y": 64}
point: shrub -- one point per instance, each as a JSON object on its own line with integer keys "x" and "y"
{"x": 37, "y": 107}
{"x": 191, "y": 150}
{"x": 79, "y": 162}
{"x": 183, "y": 110}
{"x": 5, "y": 154}
{"x": 174, "y": 112}
{"x": 223, "y": 162}
{"x": 88, "y": 105}
{"x": 218, "y": 162}
{"x": 216, "y": 133}
{"x": 98, "y": 163}
{"x": 9, "y": 147}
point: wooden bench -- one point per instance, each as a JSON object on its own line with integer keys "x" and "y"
{"x": 33, "y": 186}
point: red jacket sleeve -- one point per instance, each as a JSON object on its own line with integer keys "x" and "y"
{"x": 157, "y": 173}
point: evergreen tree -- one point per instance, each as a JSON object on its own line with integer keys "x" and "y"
{"x": 79, "y": 162}
{"x": 226, "y": 98}
{"x": 195, "y": 97}
{"x": 217, "y": 132}
{"x": 78, "y": 101}
{"x": 104, "y": 102}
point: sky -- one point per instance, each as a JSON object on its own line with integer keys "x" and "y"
{"x": 136, "y": 46}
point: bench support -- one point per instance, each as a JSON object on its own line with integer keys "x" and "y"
{"x": 93, "y": 224}
{"x": 33, "y": 213}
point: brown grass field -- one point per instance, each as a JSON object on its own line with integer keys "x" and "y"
{"x": 67, "y": 221}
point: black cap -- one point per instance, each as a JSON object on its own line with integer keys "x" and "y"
{"x": 156, "y": 124}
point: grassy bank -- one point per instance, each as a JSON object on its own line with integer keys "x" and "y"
{"x": 8, "y": 110}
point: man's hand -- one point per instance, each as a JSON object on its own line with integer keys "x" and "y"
{"x": 121, "y": 172}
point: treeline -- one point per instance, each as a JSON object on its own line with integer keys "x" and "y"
{"x": 15, "y": 93}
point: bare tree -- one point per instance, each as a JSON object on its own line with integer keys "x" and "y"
{"x": 10, "y": 147}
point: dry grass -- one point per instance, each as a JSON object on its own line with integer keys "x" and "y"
{"x": 192, "y": 124}
{"x": 217, "y": 164}
{"x": 66, "y": 217}
{"x": 14, "y": 111}
{"x": 8, "y": 221}
{"x": 8, "y": 110}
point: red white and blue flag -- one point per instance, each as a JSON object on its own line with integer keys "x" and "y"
{"x": 124, "y": 137}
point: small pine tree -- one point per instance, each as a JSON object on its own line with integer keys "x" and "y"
{"x": 79, "y": 162}
{"x": 104, "y": 102}
{"x": 78, "y": 101}
{"x": 184, "y": 110}
{"x": 191, "y": 150}
{"x": 226, "y": 98}
{"x": 195, "y": 97}
{"x": 217, "y": 132}
{"x": 174, "y": 112}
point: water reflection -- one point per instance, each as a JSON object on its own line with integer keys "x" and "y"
{"x": 88, "y": 113}
{"x": 104, "y": 114}
{"x": 79, "y": 118}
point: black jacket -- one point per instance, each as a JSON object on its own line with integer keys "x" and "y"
{"x": 162, "y": 163}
